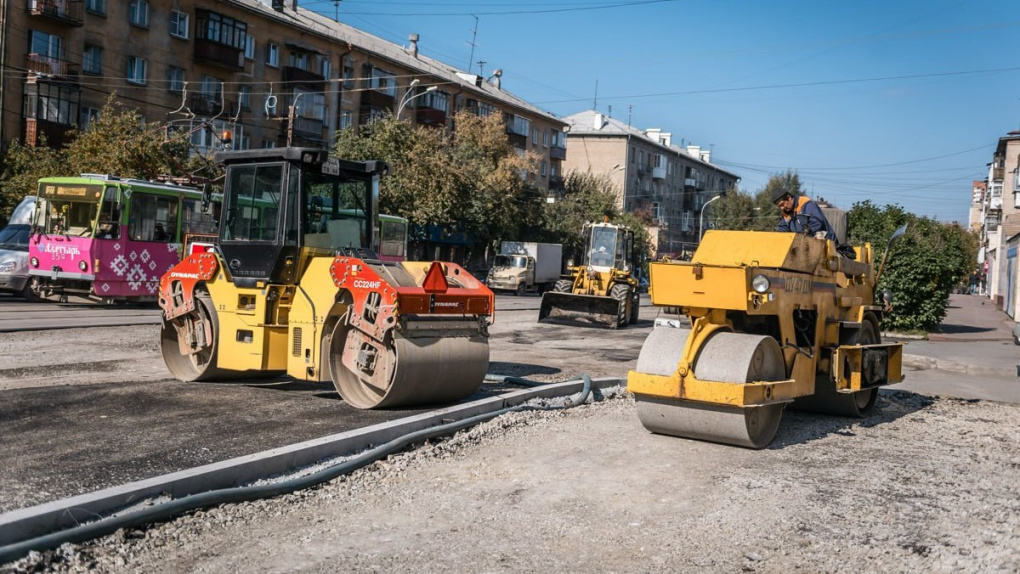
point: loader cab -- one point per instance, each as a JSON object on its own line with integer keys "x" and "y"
{"x": 608, "y": 246}
{"x": 280, "y": 201}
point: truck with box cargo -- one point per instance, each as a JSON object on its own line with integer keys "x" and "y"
{"x": 523, "y": 267}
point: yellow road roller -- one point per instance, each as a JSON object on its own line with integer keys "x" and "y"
{"x": 296, "y": 285}
{"x": 774, "y": 319}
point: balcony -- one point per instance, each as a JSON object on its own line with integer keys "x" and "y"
{"x": 207, "y": 105}
{"x": 517, "y": 140}
{"x": 430, "y": 116}
{"x": 691, "y": 183}
{"x": 300, "y": 76}
{"x": 998, "y": 173}
{"x": 219, "y": 55}
{"x": 310, "y": 128}
{"x": 52, "y": 67}
{"x": 558, "y": 152}
{"x": 556, "y": 182}
{"x": 64, "y": 11}
{"x": 376, "y": 99}
{"x": 658, "y": 173}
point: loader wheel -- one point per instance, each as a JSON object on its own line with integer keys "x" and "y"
{"x": 563, "y": 286}
{"x": 174, "y": 339}
{"x": 621, "y": 292}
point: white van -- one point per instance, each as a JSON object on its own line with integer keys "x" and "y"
{"x": 14, "y": 251}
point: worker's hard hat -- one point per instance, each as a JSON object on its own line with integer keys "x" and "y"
{"x": 779, "y": 193}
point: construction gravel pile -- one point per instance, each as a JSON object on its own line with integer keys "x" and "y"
{"x": 924, "y": 485}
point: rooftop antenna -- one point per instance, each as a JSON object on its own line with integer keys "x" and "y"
{"x": 336, "y": 13}
{"x": 630, "y": 110}
{"x": 595, "y": 103}
{"x": 474, "y": 35}
{"x": 481, "y": 67}
{"x": 610, "y": 114}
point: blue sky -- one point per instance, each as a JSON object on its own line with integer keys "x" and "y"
{"x": 895, "y": 102}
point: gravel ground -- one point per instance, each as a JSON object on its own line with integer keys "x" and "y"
{"x": 924, "y": 485}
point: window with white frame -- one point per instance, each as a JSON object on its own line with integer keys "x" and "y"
{"x": 138, "y": 13}
{"x": 137, "y": 70}
{"x": 268, "y": 144}
{"x": 381, "y": 81}
{"x": 45, "y": 45}
{"x": 346, "y": 119}
{"x": 272, "y": 55}
{"x": 56, "y": 103}
{"x": 249, "y": 47}
{"x": 519, "y": 125}
{"x": 179, "y": 24}
{"x": 212, "y": 89}
{"x": 299, "y": 60}
{"x": 311, "y": 105}
{"x": 545, "y": 138}
{"x": 175, "y": 79}
{"x": 92, "y": 60}
{"x": 244, "y": 96}
{"x": 436, "y": 100}
{"x": 324, "y": 66}
{"x": 534, "y": 136}
{"x": 96, "y": 6}
{"x": 87, "y": 116}
{"x": 545, "y": 168}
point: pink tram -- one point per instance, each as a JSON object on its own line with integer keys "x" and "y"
{"x": 111, "y": 239}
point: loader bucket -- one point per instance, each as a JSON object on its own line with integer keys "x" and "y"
{"x": 593, "y": 308}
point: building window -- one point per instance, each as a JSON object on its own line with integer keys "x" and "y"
{"x": 221, "y": 30}
{"x": 137, "y": 69}
{"x": 346, "y": 120}
{"x": 138, "y": 13}
{"x": 88, "y": 115}
{"x": 96, "y": 6}
{"x": 272, "y": 55}
{"x": 55, "y": 103}
{"x": 381, "y": 81}
{"x": 534, "y": 136}
{"x": 249, "y": 47}
{"x": 244, "y": 97}
{"x": 175, "y": 79}
{"x": 268, "y": 144}
{"x": 179, "y": 24}
{"x": 45, "y": 45}
{"x": 545, "y": 138}
{"x": 436, "y": 100}
{"x": 299, "y": 60}
{"x": 631, "y": 154}
{"x": 92, "y": 60}
{"x": 545, "y": 168}
{"x": 324, "y": 66}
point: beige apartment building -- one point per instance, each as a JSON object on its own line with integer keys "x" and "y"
{"x": 670, "y": 183}
{"x": 205, "y": 66}
{"x": 1000, "y": 233}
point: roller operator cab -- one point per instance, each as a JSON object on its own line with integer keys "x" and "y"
{"x": 776, "y": 319}
{"x": 296, "y": 286}
{"x": 603, "y": 288}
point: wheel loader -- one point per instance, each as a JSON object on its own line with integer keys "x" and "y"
{"x": 776, "y": 319}
{"x": 295, "y": 286}
{"x": 602, "y": 289}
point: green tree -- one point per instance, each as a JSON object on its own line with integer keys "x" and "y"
{"x": 119, "y": 142}
{"x": 923, "y": 267}
{"x": 469, "y": 181}
{"x": 586, "y": 197}
{"x": 22, "y": 167}
{"x": 744, "y": 211}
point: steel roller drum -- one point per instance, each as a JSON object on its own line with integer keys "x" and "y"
{"x": 424, "y": 370}
{"x": 725, "y": 357}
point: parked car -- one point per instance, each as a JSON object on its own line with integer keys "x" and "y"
{"x": 14, "y": 251}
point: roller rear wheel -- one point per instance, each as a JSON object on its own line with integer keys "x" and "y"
{"x": 187, "y": 361}
{"x": 827, "y": 400}
{"x": 726, "y": 357}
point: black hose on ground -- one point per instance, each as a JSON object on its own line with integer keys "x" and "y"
{"x": 173, "y": 508}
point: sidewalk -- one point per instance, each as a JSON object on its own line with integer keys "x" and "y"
{"x": 971, "y": 357}
{"x": 975, "y": 339}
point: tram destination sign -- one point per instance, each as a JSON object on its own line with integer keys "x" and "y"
{"x": 71, "y": 191}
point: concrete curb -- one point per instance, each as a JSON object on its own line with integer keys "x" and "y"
{"x": 924, "y": 363}
{"x": 26, "y": 523}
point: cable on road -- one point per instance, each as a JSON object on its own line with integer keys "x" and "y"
{"x": 180, "y": 506}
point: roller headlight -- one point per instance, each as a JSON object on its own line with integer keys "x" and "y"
{"x": 760, "y": 283}
{"x": 83, "y": 265}
{"x": 35, "y": 262}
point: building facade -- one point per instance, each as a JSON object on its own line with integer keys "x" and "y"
{"x": 653, "y": 176}
{"x": 271, "y": 72}
{"x": 999, "y": 219}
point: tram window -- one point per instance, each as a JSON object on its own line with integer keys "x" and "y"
{"x": 153, "y": 218}
{"x": 109, "y": 216}
{"x": 195, "y": 221}
{"x": 393, "y": 235}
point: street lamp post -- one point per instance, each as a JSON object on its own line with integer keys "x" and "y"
{"x": 410, "y": 95}
{"x": 701, "y": 218}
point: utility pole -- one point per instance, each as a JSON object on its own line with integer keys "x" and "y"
{"x": 474, "y": 35}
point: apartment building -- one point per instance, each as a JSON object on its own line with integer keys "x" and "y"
{"x": 670, "y": 183}
{"x": 1000, "y": 233}
{"x": 269, "y": 71}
